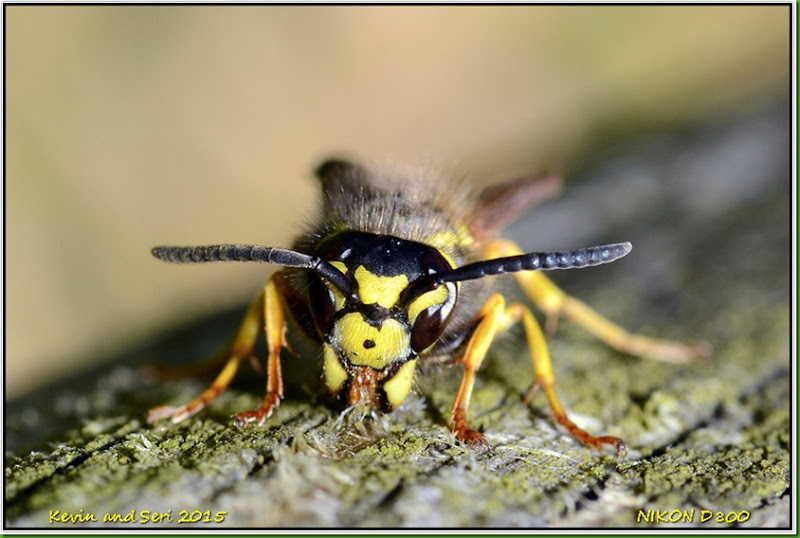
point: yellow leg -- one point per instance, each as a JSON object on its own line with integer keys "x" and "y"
{"x": 491, "y": 316}
{"x": 240, "y": 348}
{"x": 555, "y": 303}
{"x": 275, "y": 328}
{"x": 164, "y": 372}
{"x": 545, "y": 378}
{"x": 495, "y": 317}
{"x": 265, "y": 312}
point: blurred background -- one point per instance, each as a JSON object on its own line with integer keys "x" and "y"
{"x": 131, "y": 126}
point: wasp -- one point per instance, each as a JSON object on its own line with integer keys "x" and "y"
{"x": 393, "y": 274}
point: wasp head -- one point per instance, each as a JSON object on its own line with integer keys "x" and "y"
{"x": 374, "y": 331}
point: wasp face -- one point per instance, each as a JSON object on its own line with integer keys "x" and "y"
{"x": 372, "y": 338}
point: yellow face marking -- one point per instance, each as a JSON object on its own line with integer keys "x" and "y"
{"x": 364, "y": 345}
{"x": 335, "y": 374}
{"x": 383, "y": 290}
{"x": 425, "y": 301}
{"x": 340, "y": 266}
{"x": 338, "y": 298}
{"x": 398, "y": 387}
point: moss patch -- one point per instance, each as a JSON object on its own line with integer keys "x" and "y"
{"x": 708, "y": 436}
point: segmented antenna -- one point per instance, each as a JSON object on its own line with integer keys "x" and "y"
{"x": 254, "y": 253}
{"x": 537, "y": 261}
{"x": 533, "y": 261}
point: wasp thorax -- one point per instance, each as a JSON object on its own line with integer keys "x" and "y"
{"x": 372, "y": 338}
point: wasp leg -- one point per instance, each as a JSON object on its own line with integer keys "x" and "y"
{"x": 492, "y": 317}
{"x": 275, "y": 328}
{"x": 240, "y": 348}
{"x": 551, "y": 300}
{"x": 164, "y": 372}
{"x": 543, "y": 370}
{"x": 495, "y": 316}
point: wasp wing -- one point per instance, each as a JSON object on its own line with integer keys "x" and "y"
{"x": 339, "y": 177}
{"x": 497, "y": 206}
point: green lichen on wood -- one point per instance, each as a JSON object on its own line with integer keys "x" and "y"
{"x": 712, "y": 435}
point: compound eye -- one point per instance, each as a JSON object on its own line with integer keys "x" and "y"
{"x": 431, "y": 313}
{"x": 322, "y": 303}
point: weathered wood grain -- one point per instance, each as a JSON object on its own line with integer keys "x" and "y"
{"x": 708, "y": 212}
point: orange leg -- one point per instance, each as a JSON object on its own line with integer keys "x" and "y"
{"x": 491, "y": 316}
{"x": 240, "y": 348}
{"x": 555, "y": 303}
{"x": 265, "y": 312}
{"x": 275, "y": 328}
{"x": 495, "y": 316}
{"x": 545, "y": 378}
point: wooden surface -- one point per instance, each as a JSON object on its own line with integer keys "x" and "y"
{"x": 708, "y": 212}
